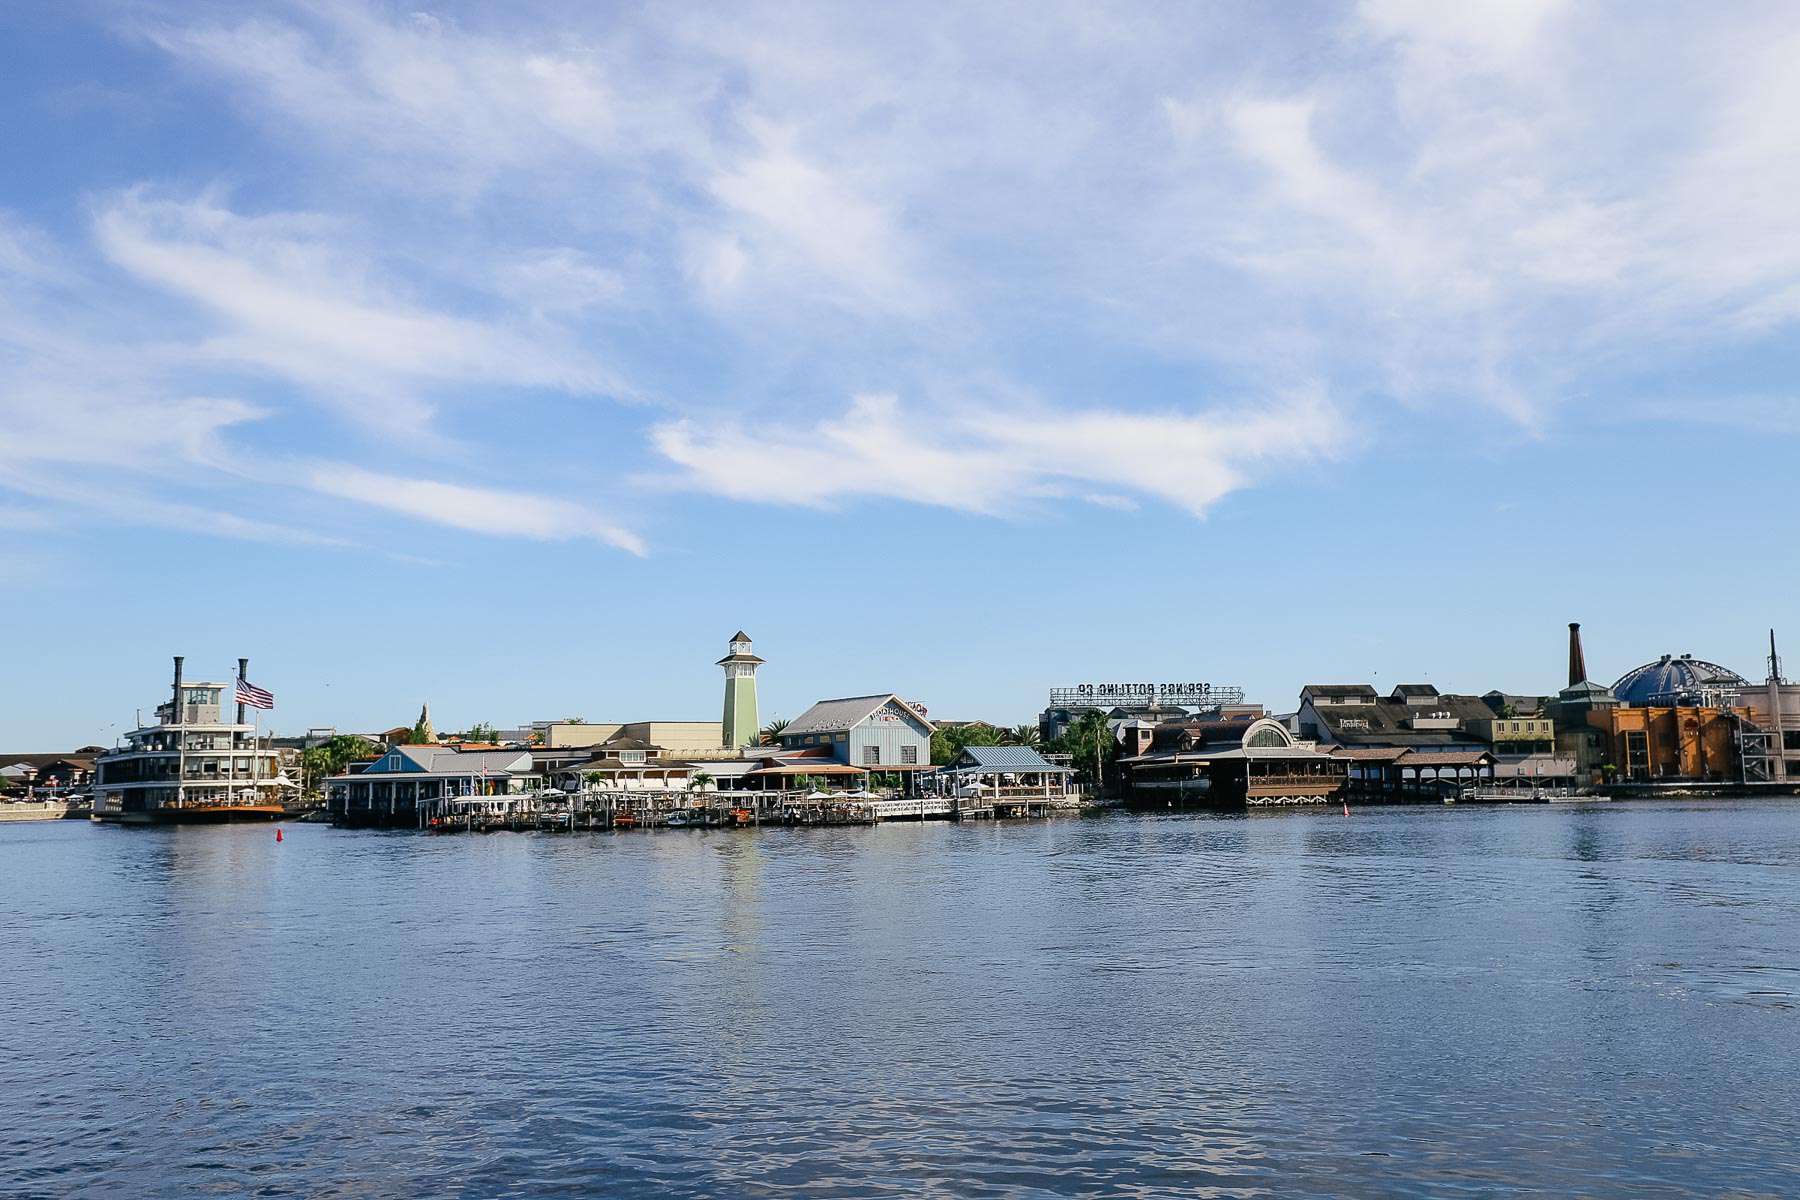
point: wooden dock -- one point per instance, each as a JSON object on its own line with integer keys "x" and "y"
{"x": 625, "y": 810}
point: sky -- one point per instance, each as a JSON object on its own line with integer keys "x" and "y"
{"x": 512, "y": 357}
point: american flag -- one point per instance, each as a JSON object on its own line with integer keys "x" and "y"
{"x": 255, "y": 697}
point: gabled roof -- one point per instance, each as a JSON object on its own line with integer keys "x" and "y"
{"x": 1007, "y": 758}
{"x": 836, "y": 716}
{"x": 45, "y": 760}
{"x": 1413, "y": 689}
{"x": 1337, "y": 689}
{"x": 1385, "y": 722}
{"x": 447, "y": 760}
{"x": 627, "y": 743}
{"x": 1446, "y": 758}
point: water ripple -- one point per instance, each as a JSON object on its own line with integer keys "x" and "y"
{"x": 1404, "y": 1002}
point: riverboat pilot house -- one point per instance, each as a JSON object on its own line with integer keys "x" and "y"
{"x": 1230, "y": 763}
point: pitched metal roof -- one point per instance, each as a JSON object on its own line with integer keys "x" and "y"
{"x": 446, "y": 760}
{"x": 1008, "y": 758}
{"x": 1337, "y": 689}
{"x": 34, "y": 759}
{"x": 1446, "y": 758}
{"x": 835, "y": 716}
{"x": 1385, "y": 722}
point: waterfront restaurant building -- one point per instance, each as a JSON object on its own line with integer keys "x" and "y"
{"x": 1230, "y": 763}
{"x": 1004, "y": 775}
{"x": 1414, "y": 743}
{"x": 878, "y": 733}
{"x": 392, "y": 789}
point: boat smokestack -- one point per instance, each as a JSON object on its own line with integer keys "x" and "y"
{"x": 175, "y": 695}
{"x": 243, "y": 673}
{"x": 1577, "y": 663}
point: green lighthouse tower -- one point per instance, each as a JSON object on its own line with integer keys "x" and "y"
{"x": 740, "y": 692}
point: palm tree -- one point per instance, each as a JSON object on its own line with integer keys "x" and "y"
{"x": 1027, "y": 735}
{"x": 771, "y": 733}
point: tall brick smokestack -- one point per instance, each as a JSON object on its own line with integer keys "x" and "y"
{"x": 1577, "y": 663}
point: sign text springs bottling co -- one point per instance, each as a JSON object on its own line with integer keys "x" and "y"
{"x": 1129, "y": 693}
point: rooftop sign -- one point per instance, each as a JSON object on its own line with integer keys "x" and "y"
{"x": 1106, "y": 695}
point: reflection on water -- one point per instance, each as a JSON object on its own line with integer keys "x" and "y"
{"x": 1556, "y": 999}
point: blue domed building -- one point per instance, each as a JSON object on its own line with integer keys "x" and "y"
{"x": 1683, "y": 681}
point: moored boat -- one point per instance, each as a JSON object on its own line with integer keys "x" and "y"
{"x": 195, "y": 766}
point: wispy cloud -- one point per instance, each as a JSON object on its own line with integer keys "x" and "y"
{"x": 98, "y": 426}
{"x": 474, "y": 509}
{"x": 487, "y": 223}
{"x": 291, "y": 299}
{"x": 438, "y": 102}
{"x": 803, "y": 220}
{"x": 997, "y": 462}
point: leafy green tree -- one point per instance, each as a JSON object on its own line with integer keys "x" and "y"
{"x": 482, "y": 732}
{"x": 948, "y": 742}
{"x": 771, "y": 733}
{"x": 1080, "y": 740}
{"x": 1027, "y": 735}
{"x": 698, "y": 780}
{"x": 333, "y": 757}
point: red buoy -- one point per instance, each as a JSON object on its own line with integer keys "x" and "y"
{"x": 278, "y": 835}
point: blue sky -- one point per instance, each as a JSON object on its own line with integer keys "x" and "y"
{"x": 514, "y": 359}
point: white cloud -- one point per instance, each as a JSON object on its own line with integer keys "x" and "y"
{"x": 984, "y": 462}
{"x": 293, "y": 300}
{"x": 1486, "y": 208}
{"x": 425, "y": 94}
{"x": 97, "y": 426}
{"x": 475, "y": 509}
{"x": 1495, "y": 29}
{"x": 561, "y": 280}
{"x": 804, "y": 218}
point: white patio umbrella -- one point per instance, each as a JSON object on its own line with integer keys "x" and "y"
{"x": 815, "y": 794}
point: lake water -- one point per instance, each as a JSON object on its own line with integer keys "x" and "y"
{"x": 1597, "y": 999}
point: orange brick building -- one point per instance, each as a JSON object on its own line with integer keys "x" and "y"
{"x": 1657, "y": 743}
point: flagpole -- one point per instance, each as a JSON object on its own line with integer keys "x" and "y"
{"x": 255, "y": 752}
